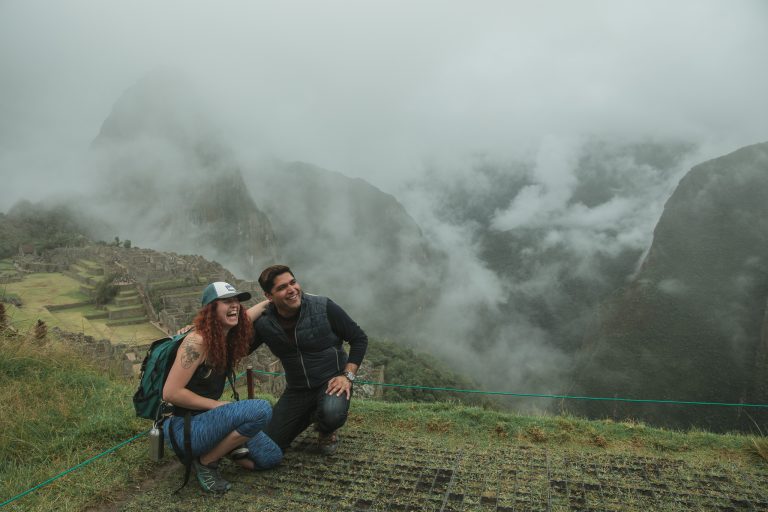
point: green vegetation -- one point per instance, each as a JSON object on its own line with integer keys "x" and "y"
{"x": 105, "y": 290}
{"x": 39, "y": 227}
{"x": 406, "y": 366}
{"x": 56, "y": 411}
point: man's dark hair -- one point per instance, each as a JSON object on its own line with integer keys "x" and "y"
{"x": 268, "y": 275}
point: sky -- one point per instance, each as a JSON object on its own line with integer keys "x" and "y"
{"x": 375, "y": 89}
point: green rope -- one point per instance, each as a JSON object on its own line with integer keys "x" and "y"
{"x": 63, "y": 473}
{"x": 537, "y": 395}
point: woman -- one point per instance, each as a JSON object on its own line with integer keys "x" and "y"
{"x": 197, "y": 379}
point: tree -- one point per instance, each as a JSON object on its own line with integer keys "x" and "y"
{"x": 105, "y": 290}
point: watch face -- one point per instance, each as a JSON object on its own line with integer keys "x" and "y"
{"x": 350, "y": 376}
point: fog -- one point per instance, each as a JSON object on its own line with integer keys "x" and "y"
{"x": 414, "y": 97}
{"x": 372, "y": 89}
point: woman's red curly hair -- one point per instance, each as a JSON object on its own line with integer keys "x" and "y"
{"x": 239, "y": 337}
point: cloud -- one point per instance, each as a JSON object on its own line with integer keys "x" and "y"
{"x": 363, "y": 88}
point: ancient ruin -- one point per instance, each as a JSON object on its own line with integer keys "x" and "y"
{"x": 157, "y": 287}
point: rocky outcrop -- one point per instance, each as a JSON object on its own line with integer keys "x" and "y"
{"x": 689, "y": 325}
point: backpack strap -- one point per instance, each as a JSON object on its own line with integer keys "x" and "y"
{"x": 231, "y": 374}
{"x": 187, "y": 449}
{"x": 231, "y": 379}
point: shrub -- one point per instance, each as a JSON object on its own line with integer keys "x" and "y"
{"x": 105, "y": 290}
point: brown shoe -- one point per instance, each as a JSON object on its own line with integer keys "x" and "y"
{"x": 328, "y": 443}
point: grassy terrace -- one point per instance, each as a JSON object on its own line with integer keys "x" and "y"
{"x": 6, "y": 266}
{"x": 42, "y": 289}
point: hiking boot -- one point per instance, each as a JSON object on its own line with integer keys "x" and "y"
{"x": 238, "y": 453}
{"x": 328, "y": 443}
{"x": 209, "y": 477}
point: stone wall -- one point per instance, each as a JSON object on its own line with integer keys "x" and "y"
{"x": 103, "y": 352}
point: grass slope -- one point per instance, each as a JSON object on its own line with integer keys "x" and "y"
{"x": 57, "y": 411}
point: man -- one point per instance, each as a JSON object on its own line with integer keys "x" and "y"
{"x": 306, "y": 333}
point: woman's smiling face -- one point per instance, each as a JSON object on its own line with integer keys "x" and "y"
{"x": 228, "y": 312}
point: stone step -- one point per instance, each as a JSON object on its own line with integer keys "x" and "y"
{"x": 97, "y": 316}
{"x": 80, "y": 276}
{"x": 129, "y": 300}
{"x": 91, "y": 267}
{"x": 117, "y": 313}
{"x": 128, "y": 321}
{"x": 70, "y": 272}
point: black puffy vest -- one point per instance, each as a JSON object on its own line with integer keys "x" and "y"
{"x": 318, "y": 354}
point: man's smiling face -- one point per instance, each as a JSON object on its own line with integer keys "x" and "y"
{"x": 285, "y": 294}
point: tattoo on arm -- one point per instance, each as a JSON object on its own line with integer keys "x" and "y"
{"x": 190, "y": 355}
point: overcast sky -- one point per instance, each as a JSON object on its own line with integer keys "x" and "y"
{"x": 376, "y": 88}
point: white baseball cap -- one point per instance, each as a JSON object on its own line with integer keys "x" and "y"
{"x": 222, "y": 290}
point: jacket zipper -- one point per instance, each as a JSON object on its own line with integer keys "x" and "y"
{"x": 296, "y": 337}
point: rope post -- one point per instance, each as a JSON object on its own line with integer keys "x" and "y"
{"x": 249, "y": 380}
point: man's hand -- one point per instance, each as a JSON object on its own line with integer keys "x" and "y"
{"x": 339, "y": 385}
{"x": 186, "y": 328}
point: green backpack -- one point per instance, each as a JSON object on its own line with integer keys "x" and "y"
{"x": 148, "y": 399}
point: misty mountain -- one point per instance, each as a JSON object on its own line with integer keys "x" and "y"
{"x": 167, "y": 182}
{"x": 689, "y": 324}
{"x": 345, "y": 237}
{"x": 553, "y": 236}
{"x": 565, "y": 263}
{"x": 503, "y": 268}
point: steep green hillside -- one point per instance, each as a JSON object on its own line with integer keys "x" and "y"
{"x": 404, "y": 365}
{"x": 689, "y": 325}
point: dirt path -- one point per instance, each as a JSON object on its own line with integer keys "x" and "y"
{"x": 164, "y": 473}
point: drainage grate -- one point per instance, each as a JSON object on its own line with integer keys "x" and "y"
{"x": 372, "y": 474}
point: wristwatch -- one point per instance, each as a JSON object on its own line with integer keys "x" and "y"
{"x": 351, "y": 376}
